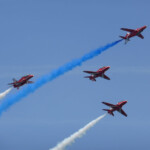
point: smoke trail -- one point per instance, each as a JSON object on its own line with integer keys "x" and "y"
{"x": 2, "y": 95}
{"x": 78, "y": 134}
{"x": 51, "y": 76}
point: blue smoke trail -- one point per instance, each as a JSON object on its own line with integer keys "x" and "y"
{"x": 9, "y": 101}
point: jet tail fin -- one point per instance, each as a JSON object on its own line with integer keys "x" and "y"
{"x": 14, "y": 80}
{"x": 125, "y": 38}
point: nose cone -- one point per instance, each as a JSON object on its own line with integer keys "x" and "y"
{"x": 125, "y": 102}
{"x": 145, "y": 27}
{"x": 31, "y": 75}
{"x": 106, "y": 68}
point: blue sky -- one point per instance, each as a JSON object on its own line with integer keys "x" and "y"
{"x": 39, "y": 36}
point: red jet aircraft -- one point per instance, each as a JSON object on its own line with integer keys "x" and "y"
{"x": 136, "y": 32}
{"x": 22, "y": 81}
{"x": 98, "y": 73}
{"x": 117, "y": 107}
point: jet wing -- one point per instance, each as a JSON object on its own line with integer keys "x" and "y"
{"x": 141, "y": 36}
{"x": 108, "y": 104}
{"x": 128, "y": 30}
{"x": 122, "y": 112}
{"x": 106, "y": 77}
{"x": 90, "y": 72}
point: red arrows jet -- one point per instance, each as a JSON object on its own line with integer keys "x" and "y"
{"x": 117, "y": 107}
{"x": 136, "y": 32}
{"x": 22, "y": 81}
{"x": 98, "y": 73}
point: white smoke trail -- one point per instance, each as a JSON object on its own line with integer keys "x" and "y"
{"x": 78, "y": 134}
{"x": 2, "y": 95}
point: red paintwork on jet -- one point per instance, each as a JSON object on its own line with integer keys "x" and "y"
{"x": 22, "y": 81}
{"x": 133, "y": 32}
{"x": 117, "y": 107}
{"x": 98, "y": 73}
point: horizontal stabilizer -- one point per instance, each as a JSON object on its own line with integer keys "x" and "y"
{"x": 110, "y": 112}
{"x": 106, "y": 109}
{"x": 87, "y": 76}
{"x": 122, "y": 37}
{"x": 90, "y": 77}
{"x": 10, "y": 83}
